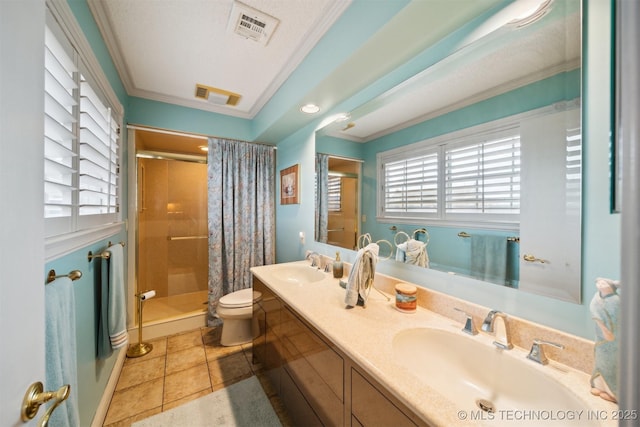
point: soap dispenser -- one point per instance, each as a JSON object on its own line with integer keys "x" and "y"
{"x": 337, "y": 267}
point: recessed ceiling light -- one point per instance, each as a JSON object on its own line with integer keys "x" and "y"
{"x": 310, "y": 108}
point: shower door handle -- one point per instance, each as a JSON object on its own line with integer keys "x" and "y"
{"x": 187, "y": 237}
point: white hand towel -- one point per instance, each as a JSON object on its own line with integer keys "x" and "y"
{"x": 361, "y": 274}
{"x": 416, "y": 253}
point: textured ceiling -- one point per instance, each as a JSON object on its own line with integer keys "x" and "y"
{"x": 163, "y": 48}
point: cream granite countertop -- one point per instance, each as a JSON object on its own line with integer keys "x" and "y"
{"x": 365, "y": 335}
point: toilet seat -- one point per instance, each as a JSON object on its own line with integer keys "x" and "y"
{"x": 239, "y": 299}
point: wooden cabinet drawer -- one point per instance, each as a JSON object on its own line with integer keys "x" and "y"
{"x": 372, "y": 408}
{"x": 317, "y": 370}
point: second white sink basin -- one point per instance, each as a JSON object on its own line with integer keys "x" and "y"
{"x": 479, "y": 378}
{"x": 297, "y": 274}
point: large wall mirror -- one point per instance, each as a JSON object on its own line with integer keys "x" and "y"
{"x": 432, "y": 153}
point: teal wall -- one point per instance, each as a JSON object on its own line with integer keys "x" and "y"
{"x": 449, "y": 252}
{"x": 601, "y": 235}
{"x": 170, "y": 116}
{"x": 601, "y": 229}
{"x": 93, "y": 374}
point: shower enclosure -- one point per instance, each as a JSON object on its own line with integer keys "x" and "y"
{"x": 172, "y": 256}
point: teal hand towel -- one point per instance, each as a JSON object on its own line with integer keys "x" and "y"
{"x": 60, "y": 345}
{"x": 489, "y": 258}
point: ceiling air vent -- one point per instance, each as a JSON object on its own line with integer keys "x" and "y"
{"x": 216, "y": 96}
{"x": 252, "y": 24}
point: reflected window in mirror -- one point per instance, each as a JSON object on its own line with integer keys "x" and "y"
{"x": 471, "y": 175}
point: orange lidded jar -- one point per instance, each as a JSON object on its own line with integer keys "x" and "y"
{"x": 406, "y": 297}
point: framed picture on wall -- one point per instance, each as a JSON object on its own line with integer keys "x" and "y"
{"x": 289, "y": 187}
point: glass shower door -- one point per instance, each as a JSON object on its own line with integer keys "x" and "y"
{"x": 172, "y": 237}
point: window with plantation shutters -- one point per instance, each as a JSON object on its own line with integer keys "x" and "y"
{"x": 98, "y": 170}
{"x": 81, "y": 142}
{"x": 59, "y": 132}
{"x": 471, "y": 176}
{"x": 483, "y": 177}
{"x": 411, "y": 185}
{"x": 335, "y": 193}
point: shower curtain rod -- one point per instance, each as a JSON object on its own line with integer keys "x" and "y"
{"x": 343, "y": 158}
{"x": 192, "y": 135}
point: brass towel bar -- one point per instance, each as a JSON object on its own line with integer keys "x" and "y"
{"x": 73, "y": 275}
{"x": 104, "y": 254}
{"x": 514, "y": 239}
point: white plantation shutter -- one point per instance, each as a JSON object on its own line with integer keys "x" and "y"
{"x": 59, "y": 133}
{"x": 574, "y": 169}
{"x": 411, "y": 185}
{"x": 470, "y": 178}
{"x": 335, "y": 193}
{"x": 483, "y": 178}
{"x": 98, "y": 156}
{"x": 81, "y": 142}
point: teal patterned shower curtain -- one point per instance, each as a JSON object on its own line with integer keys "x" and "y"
{"x": 322, "y": 198}
{"x": 241, "y": 212}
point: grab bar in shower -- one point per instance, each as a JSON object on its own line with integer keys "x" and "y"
{"x": 187, "y": 237}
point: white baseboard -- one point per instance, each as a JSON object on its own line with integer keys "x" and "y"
{"x": 103, "y": 407}
{"x": 166, "y": 327}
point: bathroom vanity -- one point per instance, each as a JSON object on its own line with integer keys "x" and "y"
{"x": 317, "y": 382}
{"x": 344, "y": 367}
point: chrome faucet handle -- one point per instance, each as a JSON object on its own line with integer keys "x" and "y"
{"x": 315, "y": 258}
{"x": 469, "y": 326}
{"x": 537, "y": 352}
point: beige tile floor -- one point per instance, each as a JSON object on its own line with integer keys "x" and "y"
{"x": 181, "y": 368}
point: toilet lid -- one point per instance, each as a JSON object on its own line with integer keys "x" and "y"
{"x": 242, "y": 298}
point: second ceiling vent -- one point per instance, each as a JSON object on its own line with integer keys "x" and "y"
{"x": 216, "y": 96}
{"x": 252, "y": 23}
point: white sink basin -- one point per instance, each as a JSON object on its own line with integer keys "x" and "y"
{"x": 473, "y": 375}
{"x": 297, "y": 274}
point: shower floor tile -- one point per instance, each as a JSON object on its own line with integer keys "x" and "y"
{"x": 159, "y": 308}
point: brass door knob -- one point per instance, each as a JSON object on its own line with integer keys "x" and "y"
{"x": 36, "y": 396}
{"x": 532, "y": 258}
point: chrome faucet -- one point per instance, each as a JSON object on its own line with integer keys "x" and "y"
{"x": 489, "y": 325}
{"x": 537, "y": 353}
{"x": 316, "y": 259}
{"x": 469, "y": 326}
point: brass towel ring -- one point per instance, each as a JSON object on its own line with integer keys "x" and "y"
{"x": 400, "y": 233}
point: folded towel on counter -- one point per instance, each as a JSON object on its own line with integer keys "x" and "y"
{"x": 361, "y": 275}
{"x": 413, "y": 252}
{"x": 60, "y": 345}
{"x": 117, "y": 297}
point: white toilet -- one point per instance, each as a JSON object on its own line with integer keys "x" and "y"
{"x": 236, "y": 311}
